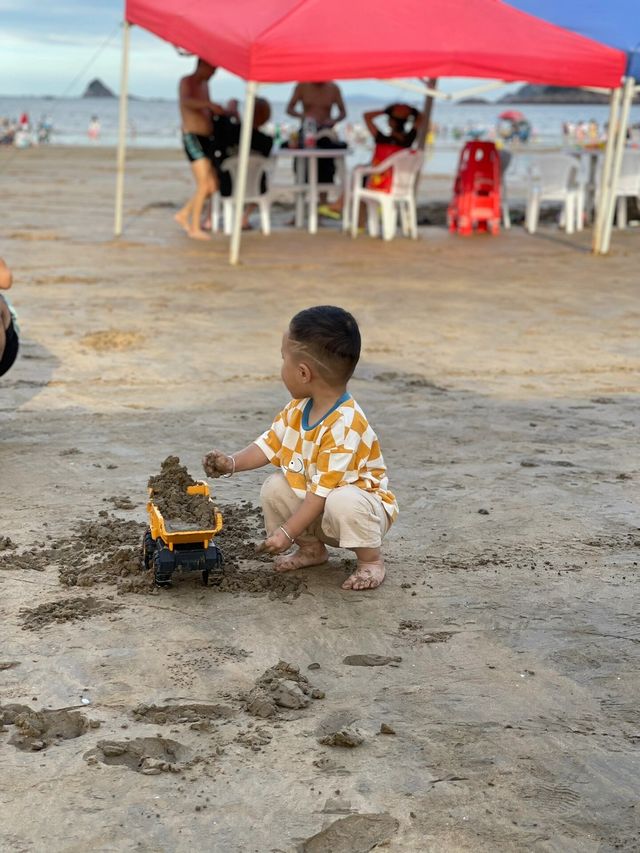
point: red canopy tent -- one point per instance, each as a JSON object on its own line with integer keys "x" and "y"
{"x": 270, "y": 41}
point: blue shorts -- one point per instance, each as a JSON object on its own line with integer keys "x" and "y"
{"x": 196, "y": 146}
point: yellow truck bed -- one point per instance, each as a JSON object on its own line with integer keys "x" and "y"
{"x": 183, "y": 537}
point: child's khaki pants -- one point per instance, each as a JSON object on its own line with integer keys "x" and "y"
{"x": 352, "y": 518}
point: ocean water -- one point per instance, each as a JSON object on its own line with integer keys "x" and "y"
{"x": 156, "y": 124}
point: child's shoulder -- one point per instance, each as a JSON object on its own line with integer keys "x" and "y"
{"x": 351, "y": 415}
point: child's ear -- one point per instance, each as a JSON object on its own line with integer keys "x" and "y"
{"x": 305, "y": 371}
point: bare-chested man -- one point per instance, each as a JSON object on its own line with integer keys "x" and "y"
{"x": 196, "y": 110}
{"x": 317, "y": 100}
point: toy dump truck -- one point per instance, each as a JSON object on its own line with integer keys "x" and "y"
{"x": 189, "y": 550}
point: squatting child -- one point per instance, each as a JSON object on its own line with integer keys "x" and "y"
{"x": 331, "y": 487}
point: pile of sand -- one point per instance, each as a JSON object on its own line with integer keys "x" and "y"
{"x": 180, "y": 510}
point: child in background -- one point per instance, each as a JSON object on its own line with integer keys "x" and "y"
{"x": 9, "y": 342}
{"x": 331, "y": 487}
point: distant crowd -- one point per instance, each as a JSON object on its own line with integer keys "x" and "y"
{"x": 23, "y": 133}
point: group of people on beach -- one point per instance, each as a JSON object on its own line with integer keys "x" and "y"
{"x": 211, "y": 134}
{"x": 22, "y": 133}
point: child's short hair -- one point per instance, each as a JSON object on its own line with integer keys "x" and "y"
{"x": 331, "y": 336}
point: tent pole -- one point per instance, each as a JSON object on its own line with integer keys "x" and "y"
{"x": 605, "y": 177}
{"x": 607, "y": 223}
{"x": 239, "y": 190}
{"x": 432, "y": 82}
{"x": 423, "y": 132}
{"x": 122, "y": 129}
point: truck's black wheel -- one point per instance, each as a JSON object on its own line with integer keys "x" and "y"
{"x": 205, "y": 577}
{"x": 148, "y": 547}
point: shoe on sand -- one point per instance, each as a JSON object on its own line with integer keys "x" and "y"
{"x": 329, "y": 212}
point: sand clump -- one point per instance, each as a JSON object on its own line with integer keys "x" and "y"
{"x": 349, "y": 736}
{"x": 356, "y": 833}
{"x": 106, "y": 550}
{"x": 67, "y": 610}
{"x": 192, "y": 713}
{"x": 370, "y": 660}
{"x": 147, "y": 755}
{"x": 36, "y": 730}
{"x": 280, "y": 686}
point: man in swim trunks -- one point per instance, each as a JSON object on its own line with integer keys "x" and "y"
{"x": 8, "y": 335}
{"x": 196, "y": 110}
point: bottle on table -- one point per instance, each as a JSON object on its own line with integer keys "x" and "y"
{"x": 309, "y": 133}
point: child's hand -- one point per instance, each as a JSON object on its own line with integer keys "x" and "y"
{"x": 216, "y": 463}
{"x": 277, "y": 543}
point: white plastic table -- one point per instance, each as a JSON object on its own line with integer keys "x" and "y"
{"x": 312, "y": 155}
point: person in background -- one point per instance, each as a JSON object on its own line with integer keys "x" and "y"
{"x": 226, "y": 134}
{"x": 315, "y": 103}
{"x": 403, "y": 122}
{"x": 9, "y": 342}
{"x": 197, "y": 111}
{"x": 93, "y": 131}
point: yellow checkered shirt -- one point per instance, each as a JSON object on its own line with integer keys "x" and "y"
{"x": 341, "y": 450}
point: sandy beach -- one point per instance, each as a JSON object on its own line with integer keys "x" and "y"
{"x": 501, "y": 375}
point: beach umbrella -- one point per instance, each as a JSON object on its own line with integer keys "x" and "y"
{"x": 616, "y": 23}
{"x": 268, "y": 41}
{"x": 512, "y": 115}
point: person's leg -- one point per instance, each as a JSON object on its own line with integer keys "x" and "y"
{"x": 182, "y": 216}
{"x": 279, "y": 502}
{"x": 248, "y": 210}
{"x": 358, "y": 521}
{"x": 193, "y": 150}
{"x": 206, "y": 185}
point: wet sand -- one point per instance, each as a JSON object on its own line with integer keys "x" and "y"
{"x": 502, "y": 378}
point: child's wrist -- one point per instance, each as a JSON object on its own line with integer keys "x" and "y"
{"x": 233, "y": 468}
{"x": 291, "y": 538}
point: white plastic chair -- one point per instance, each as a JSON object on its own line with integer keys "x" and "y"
{"x": 258, "y": 167}
{"x": 556, "y": 177}
{"x": 628, "y": 184}
{"x": 505, "y": 162}
{"x": 385, "y": 206}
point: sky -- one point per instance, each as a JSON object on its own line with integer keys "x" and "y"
{"x": 57, "y": 48}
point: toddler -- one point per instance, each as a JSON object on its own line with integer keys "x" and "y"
{"x": 331, "y": 487}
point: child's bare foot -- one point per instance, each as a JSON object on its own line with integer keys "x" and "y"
{"x": 182, "y": 220}
{"x": 313, "y": 554}
{"x": 366, "y": 575}
{"x": 198, "y": 234}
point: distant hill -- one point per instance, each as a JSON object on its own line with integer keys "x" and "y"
{"x": 553, "y": 95}
{"x": 97, "y": 89}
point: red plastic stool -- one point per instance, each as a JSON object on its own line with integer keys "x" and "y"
{"x": 476, "y": 191}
